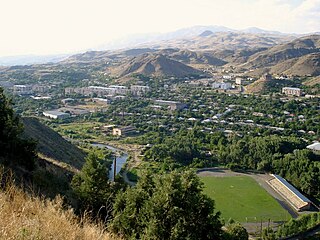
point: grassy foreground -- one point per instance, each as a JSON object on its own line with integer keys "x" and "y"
{"x": 242, "y": 199}
{"x": 27, "y": 217}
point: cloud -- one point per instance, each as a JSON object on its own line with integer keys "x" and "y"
{"x": 46, "y": 26}
{"x": 306, "y": 17}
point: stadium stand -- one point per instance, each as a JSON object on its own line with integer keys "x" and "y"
{"x": 298, "y": 201}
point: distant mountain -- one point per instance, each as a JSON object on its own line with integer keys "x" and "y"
{"x": 132, "y": 41}
{"x": 154, "y": 65}
{"x": 259, "y": 31}
{"x": 31, "y": 59}
{"x": 193, "y": 57}
{"x": 206, "y": 33}
{"x": 298, "y": 57}
{"x": 222, "y": 40}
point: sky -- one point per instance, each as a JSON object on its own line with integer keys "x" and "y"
{"x": 43, "y": 27}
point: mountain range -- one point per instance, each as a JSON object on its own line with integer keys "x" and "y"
{"x": 132, "y": 41}
{"x": 246, "y": 52}
{"x": 189, "y": 51}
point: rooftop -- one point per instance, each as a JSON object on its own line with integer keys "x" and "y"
{"x": 292, "y": 188}
{"x": 315, "y": 146}
{"x": 55, "y": 112}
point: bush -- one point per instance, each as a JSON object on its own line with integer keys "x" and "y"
{"x": 169, "y": 206}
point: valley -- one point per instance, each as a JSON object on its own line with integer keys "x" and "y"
{"x": 242, "y": 101}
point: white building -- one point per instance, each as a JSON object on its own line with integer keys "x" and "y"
{"x": 314, "y": 147}
{"x": 56, "y": 114}
{"x": 238, "y": 80}
{"x": 138, "y": 89}
{"x": 22, "y": 89}
{"x": 172, "y": 105}
{"x": 291, "y": 91}
{"x": 123, "y": 131}
{"x": 221, "y": 85}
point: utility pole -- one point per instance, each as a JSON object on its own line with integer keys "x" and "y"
{"x": 114, "y": 167}
{"x": 261, "y": 229}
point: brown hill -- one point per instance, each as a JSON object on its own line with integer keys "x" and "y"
{"x": 154, "y": 65}
{"x": 193, "y": 57}
{"x": 312, "y": 81}
{"x": 288, "y": 54}
{"x": 259, "y": 85}
{"x": 308, "y": 65}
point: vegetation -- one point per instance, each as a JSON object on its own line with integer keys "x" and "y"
{"x": 24, "y": 216}
{"x": 294, "y": 226}
{"x": 284, "y": 156}
{"x": 94, "y": 191}
{"x": 169, "y": 206}
{"x": 252, "y": 203}
{"x": 235, "y": 231}
{"x": 14, "y": 150}
{"x": 268, "y": 133}
{"x": 51, "y": 144}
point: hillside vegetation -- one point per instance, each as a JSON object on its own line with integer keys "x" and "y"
{"x": 51, "y": 144}
{"x": 27, "y": 217}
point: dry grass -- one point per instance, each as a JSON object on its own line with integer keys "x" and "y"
{"x": 26, "y": 217}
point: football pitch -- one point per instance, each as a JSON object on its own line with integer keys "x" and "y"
{"x": 243, "y": 199}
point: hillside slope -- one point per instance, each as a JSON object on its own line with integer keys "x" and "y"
{"x": 29, "y": 217}
{"x": 52, "y": 144}
{"x": 154, "y": 65}
{"x": 301, "y": 66}
{"x": 288, "y": 54}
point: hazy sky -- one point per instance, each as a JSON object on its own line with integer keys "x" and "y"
{"x": 62, "y": 26}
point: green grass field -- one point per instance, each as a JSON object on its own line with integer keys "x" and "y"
{"x": 242, "y": 199}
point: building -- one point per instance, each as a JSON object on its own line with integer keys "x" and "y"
{"x": 298, "y": 201}
{"x": 119, "y": 89}
{"x": 221, "y": 85}
{"x": 22, "y": 89}
{"x": 101, "y": 100}
{"x": 172, "y": 105}
{"x": 108, "y": 129}
{"x": 266, "y": 77}
{"x": 139, "y": 90}
{"x": 56, "y": 114}
{"x": 123, "y": 131}
{"x": 40, "y": 88}
{"x": 227, "y": 77}
{"x": 74, "y": 111}
{"x": 98, "y": 91}
{"x": 67, "y": 100}
{"x": 238, "y": 81}
{"x": 314, "y": 147}
{"x": 291, "y": 91}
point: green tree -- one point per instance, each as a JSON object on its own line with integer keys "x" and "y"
{"x": 169, "y": 206}
{"x": 92, "y": 187}
{"x": 236, "y": 231}
{"x": 14, "y": 150}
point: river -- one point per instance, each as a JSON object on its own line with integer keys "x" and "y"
{"x": 121, "y": 160}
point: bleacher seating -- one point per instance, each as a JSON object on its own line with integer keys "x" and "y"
{"x": 297, "y": 202}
